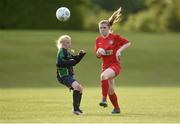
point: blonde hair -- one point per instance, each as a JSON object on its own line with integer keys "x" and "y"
{"x": 61, "y": 39}
{"x": 115, "y": 17}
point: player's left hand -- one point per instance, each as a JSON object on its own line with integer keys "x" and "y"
{"x": 80, "y": 56}
{"x": 118, "y": 55}
{"x": 82, "y": 53}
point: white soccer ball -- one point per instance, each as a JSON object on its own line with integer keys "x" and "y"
{"x": 63, "y": 14}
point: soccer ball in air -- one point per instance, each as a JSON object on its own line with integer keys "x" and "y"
{"x": 63, "y": 14}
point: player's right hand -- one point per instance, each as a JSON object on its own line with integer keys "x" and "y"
{"x": 101, "y": 51}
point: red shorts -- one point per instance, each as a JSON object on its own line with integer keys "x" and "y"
{"x": 115, "y": 67}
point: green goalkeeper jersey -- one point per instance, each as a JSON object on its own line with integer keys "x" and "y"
{"x": 65, "y": 62}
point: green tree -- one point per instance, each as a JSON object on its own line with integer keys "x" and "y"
{"x": 39, "y": 14}
{"x": 174, "y": 19}
{"x": 161, "y": 15}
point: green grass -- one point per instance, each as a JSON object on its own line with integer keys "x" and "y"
{"x": 138, "y": 104}
{"x": 148, "y": 86}
{"x": 27, "y": 58}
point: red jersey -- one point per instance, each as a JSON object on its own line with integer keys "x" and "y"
{"x": 110, "y": 44}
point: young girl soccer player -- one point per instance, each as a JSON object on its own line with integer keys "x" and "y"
{"x": 109, "y": 47}
{"x": 65, "y": 62}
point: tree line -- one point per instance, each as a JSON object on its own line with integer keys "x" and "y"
{"x": 138, "y": 15}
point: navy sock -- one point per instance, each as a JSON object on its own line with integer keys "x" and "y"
{"x": 79, "y": 102}
{"x": 76, "y": 100}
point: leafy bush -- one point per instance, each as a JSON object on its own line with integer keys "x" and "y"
{"x": 159, "y": 16}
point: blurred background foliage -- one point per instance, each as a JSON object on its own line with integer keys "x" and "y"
{"x": 138, "y": 15}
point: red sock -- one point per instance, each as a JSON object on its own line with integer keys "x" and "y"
{"x": 114, "y": 101}
{"x": 105, "y": 88}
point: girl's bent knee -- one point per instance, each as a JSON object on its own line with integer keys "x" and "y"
{"x": 103, "y": 77}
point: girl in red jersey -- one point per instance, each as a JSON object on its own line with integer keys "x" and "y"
{"x": 109, "y": 47}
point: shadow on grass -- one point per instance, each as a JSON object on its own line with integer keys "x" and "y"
{"x": 120, "y": 115}
{"x": 103, "y": 114}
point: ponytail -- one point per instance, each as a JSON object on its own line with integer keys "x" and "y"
{"x": 115, "y": 17}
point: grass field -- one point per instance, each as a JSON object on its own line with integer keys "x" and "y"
{"x": 28, "y": 57}
{"x": 148, "y": 86}
{"x": 138, "y": 104}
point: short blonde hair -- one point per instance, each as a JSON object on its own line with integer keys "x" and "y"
{"x": 115, "y": 17}
{"x": 61, "y": 39}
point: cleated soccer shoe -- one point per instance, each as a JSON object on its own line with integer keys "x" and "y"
{"x": 78, "y": 112}
{"x": 103, "y": 104}
{"x": 116, "y": 111}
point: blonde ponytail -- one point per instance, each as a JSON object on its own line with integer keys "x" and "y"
{"x": 115, "y": 17}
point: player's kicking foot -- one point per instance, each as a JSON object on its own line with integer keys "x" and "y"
{"x": 116, "y": 111}
{"x": 103, "y": 104}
